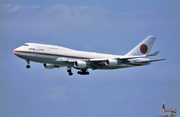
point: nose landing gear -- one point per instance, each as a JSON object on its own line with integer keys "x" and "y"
{"x": 28, "y": 64}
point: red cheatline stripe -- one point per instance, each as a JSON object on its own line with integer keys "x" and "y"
{"x": 17, "y": 51}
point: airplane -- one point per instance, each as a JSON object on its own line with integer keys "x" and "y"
{"x": 52, "y": 56}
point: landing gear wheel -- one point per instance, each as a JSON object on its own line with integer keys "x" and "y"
{"x": 71, "y": 74}
{"x": 28, "y": 66}
{"x": 69, "y": 71}
{"x": 79, "y": 72}
{"x": 83, "y": 72}
{"x": 28, "y": 62}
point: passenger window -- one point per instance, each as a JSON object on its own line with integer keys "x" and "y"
{"x": 32, "y": 49}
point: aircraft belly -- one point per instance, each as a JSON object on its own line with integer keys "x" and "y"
{"x": 37, "y": 58}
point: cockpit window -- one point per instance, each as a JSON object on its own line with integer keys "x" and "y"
{"x": 25, "y": 44}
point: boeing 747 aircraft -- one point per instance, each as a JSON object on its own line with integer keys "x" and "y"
{"x": 52, "y": 56}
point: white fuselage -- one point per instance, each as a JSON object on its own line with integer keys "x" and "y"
{"x": 51, "y": 54}
{"x": 56, "y": 56}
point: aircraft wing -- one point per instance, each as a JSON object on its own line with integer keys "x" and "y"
{"x": 105, "y": 59}
{"x": 98, "y": 63}
{"x": 124, "y": 57}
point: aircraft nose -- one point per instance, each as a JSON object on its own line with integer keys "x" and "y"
{"x": 15, "y": 51}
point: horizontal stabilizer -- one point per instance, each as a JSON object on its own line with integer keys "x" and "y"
{"x": 154, "y": 54}
{"x": 151, "y": 61}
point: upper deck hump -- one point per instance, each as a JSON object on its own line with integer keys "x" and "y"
{"x": 55, "y": 47}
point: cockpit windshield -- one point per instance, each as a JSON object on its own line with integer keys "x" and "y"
{"x": 25, "y": 44}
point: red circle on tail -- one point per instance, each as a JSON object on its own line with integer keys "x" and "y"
{"x": 143, "y": 48}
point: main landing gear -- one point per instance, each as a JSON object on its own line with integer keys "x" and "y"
{"x": 28, "y": 64}
{"x": 81, "y": 72}
{"x": 69, "y": 71}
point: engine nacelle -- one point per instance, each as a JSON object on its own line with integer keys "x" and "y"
{"x": 80, "y": 64}
{"x": 111, "y": 62}
{"x": 50, "y": 66}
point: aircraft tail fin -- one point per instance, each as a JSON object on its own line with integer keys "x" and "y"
{"x": 143, "y": 48}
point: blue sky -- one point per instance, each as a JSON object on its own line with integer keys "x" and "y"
{"x": 106, "y": 26}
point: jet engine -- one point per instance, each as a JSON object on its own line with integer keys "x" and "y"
{"x": 111, "y": 62}
{"x": 80, "y": 64}
{"x": 50, "y": 66}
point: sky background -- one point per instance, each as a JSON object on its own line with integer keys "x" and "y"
{"x": 107, "y": 26}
